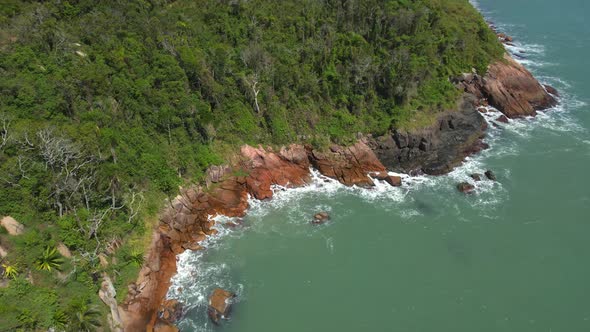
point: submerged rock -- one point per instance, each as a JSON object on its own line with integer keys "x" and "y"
{"x": 220, "y": 305}
{"x": 490, "y": 175}
{"x": 466, "y": 187}
{"x": 320, "y": 218}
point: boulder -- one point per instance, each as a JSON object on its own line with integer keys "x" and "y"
{"x": 320, "y": 218}
{"x": 476, "y": 176}
{"x": 64, "y": 250}
{"x": 3, "y": 252}
{"x": 490, "y": 175}
{"x": 220, "y": 305}
{"x": 394, "y": 180}
{"x": 502, "y": 118}
{"x": 380, "y": 175}
{"x": 513, "y": 90}
{"x": 551, "y": 90}
{"x": 466, "y": 187}
{"x": 350, "y": 165}
{"x": 170, "y": 311}
{"x": 12, "y": 226}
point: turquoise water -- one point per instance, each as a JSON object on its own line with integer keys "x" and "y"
{"x": 513, "y": 257}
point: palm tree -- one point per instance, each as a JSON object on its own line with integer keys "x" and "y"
{"x": 85, "y": 319}
{"x": 10, "y": 271}
{"x": 49, "y": 260}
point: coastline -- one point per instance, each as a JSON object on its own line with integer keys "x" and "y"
{"x": 435, "y": 150}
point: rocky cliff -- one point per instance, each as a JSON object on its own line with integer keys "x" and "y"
{"x": 510, "y": 88}
{"x": 438, "y": 148}
{"x": 432, "y": 150}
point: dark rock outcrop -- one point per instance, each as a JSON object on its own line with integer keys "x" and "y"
{"x": 490, "y": 175}
{"x": 475, "y": 176}
{"x": 437, "y": 149}
{"x": 466, "y": 187}
{"x": 502, "y": 118}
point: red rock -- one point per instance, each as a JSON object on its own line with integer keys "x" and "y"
{"x": 320, "y": 218}
{"x": 394, "y": 180}
{"x": 380, "y": 175}
{"x": 219, "y": 304}
{"x": 482, "y": 110}
{"x": 513, "y": 90}
{"x": 348, "y": 165}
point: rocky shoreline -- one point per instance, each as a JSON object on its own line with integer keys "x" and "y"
{"x": 435, "y": 150}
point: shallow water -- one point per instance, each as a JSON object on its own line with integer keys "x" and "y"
{"x": 512, "y": 257}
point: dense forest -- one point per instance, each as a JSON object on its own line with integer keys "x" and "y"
{"x": 106, "y": 107}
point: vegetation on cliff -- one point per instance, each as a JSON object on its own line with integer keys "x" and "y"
{"x": 107, "y": 106}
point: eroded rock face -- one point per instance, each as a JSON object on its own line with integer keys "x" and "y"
{"x": 170, "y": 311}
{"x": 220, "y": 304}
{"x": 437, "y": 149}
{"x": 510, "y": 88}
{"x": 289, "y": 168}
{"x": 350, "y": 165}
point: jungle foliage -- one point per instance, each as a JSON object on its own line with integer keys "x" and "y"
{"x": 106, "y": 107}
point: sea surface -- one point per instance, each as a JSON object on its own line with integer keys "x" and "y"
{"x": 515, "y": 256}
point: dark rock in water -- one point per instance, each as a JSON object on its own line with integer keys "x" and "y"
{"x": 425, "y": 207}
{"x": 482, "y": 110}
{"x": 490, "y": 175}
{"x": 220, "y": 303}
{"x": 394, "y": 180}
{"x": 502, "y": 118}
{"x": 320, "y": 218}
{"x": 551, "y": 90}
{"x": 436, "y": 149}
{"x": 465, "y": 187}
{"x": 476, "y": 176}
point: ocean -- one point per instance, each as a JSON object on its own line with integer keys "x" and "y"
{"x": 514, "y": 256}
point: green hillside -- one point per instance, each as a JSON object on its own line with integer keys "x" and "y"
{"x": 106, "y": 107}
